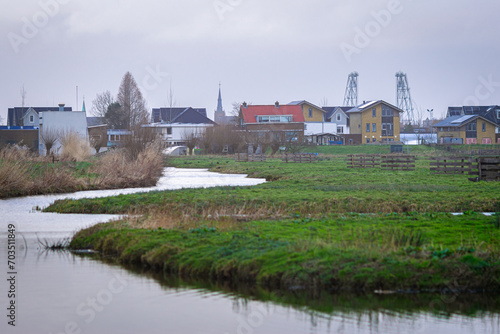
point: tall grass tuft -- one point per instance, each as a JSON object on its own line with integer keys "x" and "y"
{"x": 116, "y": 169}
{"x": 74, "y": 147}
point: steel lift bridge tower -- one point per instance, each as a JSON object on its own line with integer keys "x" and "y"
{"x": 351, "y": 91}
{"x": 403, "y": 98}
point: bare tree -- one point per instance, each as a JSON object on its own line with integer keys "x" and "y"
{"x": 138, "y": 141}
{"x": 132, "y": 102}
{"x": 191, "y": 139}
{"x": 324, "y": 101}
{"x": 98, "y": 142}
{"x": 49, "y": 138}
{"x": 101, "y": 103}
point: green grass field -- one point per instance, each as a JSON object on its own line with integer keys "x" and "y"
{"x": 317, "y": 226}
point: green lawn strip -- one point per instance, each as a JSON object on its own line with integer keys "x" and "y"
{"x": 350, "y": 252}
{"x": 325, "y": 186}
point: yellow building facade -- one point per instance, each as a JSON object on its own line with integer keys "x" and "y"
{"x": 375, "y": 122}
{"x": 475, "y": 131}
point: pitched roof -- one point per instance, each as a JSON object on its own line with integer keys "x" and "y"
{"x": 332, "y": 110}
{"x": 458, "y": 121}
{"x": 301, "y": 102}
{"x": 251, "y": 112}
{"x": 95, "y": 121}
{"x": 370, "y": 104}
{"x": 14, "y": 115}
{"x": 168, "y": 114}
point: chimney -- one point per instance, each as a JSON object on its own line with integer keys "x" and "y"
{"x": 61, "y": 106}
{"x": 277, "y": 104}
{"x": 244, "y": 104}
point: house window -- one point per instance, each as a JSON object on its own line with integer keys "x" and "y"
{"x": 484, "y": 127}
{"x": 374, "y": 139}
{"x": 310, "y": 112}
{"x": 31, "y": 118}
{"x": 368, "y": 140}
{"x": 374, "y": 127}
{"x": 374, "y": 112}
{"x": 338, "y": 117}
{"x": 367, "y": 127}
{"x": 471, "y": 130}
{"x": 340, "y": 129}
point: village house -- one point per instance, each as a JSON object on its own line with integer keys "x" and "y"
{"x": 374, "y": 121}
{"x": 273, "y": 122}
{"x": 468, "y": 129}
{"x": 175, "y": 125}
{"x": 21, "y": 116}
{"x": 59, "y": 123}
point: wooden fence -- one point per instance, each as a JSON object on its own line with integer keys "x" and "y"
{"x": 363, "y": 161}
{"x": 397, "y": 162}
{"x": 299, "y": 158}
{"x": 245, "y": 157}
{"x": 453, "y": 165}
{"x": 489, "y": 168}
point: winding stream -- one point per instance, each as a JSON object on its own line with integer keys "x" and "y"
{"x": 62, "y": 292}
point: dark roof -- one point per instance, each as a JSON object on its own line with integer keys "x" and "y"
{"x": 331, "y": 110}
{"x": 96, "y": 121}
{"x": 168, "y": 115}
{"x": 14, "y": 115}
{"x": 488, "y": 112}
{"x": 492, "y": 114}
{"x": 458, "y": 121}
{"x": 181, "y": 115}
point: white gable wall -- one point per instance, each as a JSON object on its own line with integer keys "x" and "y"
{"x": 312, "y": 128}
{"x": 62, "y": 122}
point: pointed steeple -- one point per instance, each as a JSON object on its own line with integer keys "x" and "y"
{"x": 220, "y": 114}
{"x": 219, "y": 101}
{"x": 83, "y": 107}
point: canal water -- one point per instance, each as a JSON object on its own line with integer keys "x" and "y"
{"x": 64, "y": 292}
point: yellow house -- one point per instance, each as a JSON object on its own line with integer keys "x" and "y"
{"x": 375, "y": 121}
{"x": 468, "y": 129}
{"x": 314, "y": 119}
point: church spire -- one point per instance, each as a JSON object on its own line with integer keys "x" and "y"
{"x": 219, "y": 101}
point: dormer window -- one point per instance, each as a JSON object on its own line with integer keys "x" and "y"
{"x": 338, "y": 117}
{"x": 32, "y": 119}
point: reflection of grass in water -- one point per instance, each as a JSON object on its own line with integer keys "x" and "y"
{"x": 320, "y": 303}
{"x": 54, "y": 245}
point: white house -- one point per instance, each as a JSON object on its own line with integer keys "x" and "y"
{"x": 59, "y": 123}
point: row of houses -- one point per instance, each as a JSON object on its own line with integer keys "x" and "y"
{"x": 371, "y": 122}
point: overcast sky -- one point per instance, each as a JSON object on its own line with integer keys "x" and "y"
{"x": 261, "y": 51}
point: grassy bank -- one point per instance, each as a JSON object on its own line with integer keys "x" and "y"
{"x": 326, "y": 186}
{"x": 22, "y": 173}
{"x": 352, "y": 252}
{"x": 312, "y": 226}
